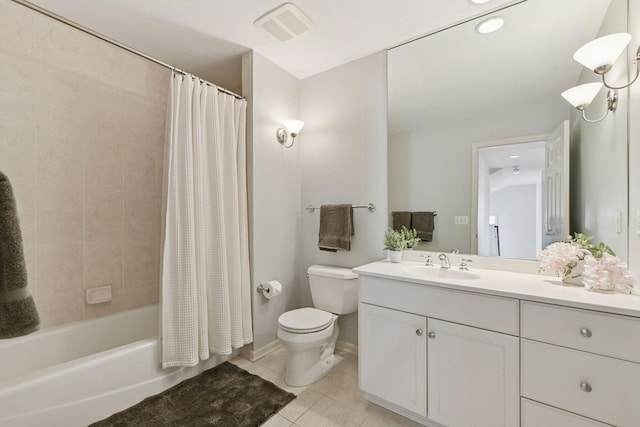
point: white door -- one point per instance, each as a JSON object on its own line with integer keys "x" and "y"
{"x": 555, "y": 186}
{"x": 473, "y": 376}
{"x": 393, "y": 356}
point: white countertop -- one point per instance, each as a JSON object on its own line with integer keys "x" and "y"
{"x": 530, "y": 287}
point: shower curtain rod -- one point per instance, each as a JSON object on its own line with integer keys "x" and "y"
{"x": 115, "y": 43}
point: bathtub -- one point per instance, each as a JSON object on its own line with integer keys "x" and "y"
{"x": 76, "y": 374}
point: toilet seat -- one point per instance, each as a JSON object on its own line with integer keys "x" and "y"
{"x": 305, "y": 320}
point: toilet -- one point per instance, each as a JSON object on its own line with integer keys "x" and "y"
{"x": 310, "y": 333}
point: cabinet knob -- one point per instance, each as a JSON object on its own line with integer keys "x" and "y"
{"x": 419, "y": 332}
{"x": 432, "y": 335}
{"x": 585, "y": 333}
{"x": 584, "y": 386}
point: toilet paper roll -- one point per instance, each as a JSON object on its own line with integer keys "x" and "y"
{"x": 271, "y": 289}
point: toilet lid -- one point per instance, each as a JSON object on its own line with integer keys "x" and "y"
{"x": 305, "y": 320}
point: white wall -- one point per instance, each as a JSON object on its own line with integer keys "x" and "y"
{"x": 599, "y": 156}
{"x": 344, "y": 160}
{"x": 634, "y": 144}
{"x": 430, "y": 167}
{"x": 274, "y": 192}
{"x": 516, "y": 208}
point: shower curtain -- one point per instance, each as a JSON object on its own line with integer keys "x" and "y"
{"x": 206, "y": 302}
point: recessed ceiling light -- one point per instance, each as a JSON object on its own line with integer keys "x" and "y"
{"x": 479, "y": 1}
{"x": 515, "y": 156}
{"x": 490, "y": 25}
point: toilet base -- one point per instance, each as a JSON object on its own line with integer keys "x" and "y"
{"x": 308, "y": 366}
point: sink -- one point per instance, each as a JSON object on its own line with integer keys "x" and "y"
{"x": 439, "y": 273}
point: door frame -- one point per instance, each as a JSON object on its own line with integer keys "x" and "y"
{"x": 475, "y": 146}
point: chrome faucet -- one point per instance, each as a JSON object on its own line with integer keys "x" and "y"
{"x": 444, "y": 261}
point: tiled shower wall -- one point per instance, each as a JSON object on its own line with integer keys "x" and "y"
{"x": 81, "y": 138}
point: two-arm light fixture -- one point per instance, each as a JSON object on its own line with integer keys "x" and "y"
{"x": 599, "y": 55}
{"x": 581, "y": 96}
{"x": 292, "y": 128}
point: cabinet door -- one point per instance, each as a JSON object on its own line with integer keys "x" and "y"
{"x": 473, "y": 376}
{"x": 393, "y": 356}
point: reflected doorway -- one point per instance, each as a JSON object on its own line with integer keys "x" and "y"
{"x": 521, "y": 196}
{"x": 510, "y": 200}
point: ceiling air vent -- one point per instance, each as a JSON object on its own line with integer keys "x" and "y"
{"x": 285, "y": 22}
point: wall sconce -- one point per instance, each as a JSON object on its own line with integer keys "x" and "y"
{"x": 581, "y": 96}
{"x": 600, "y": 54}
{"x": 292, "y": 128}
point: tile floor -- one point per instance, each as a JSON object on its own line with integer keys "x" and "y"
{"x": 334, "y": 401}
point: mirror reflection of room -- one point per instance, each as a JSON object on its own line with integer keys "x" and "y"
{"x": 455, "y": 93}
{"x": 510, "y": 186}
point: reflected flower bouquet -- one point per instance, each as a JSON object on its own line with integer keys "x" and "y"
{"x": 596, "y": 265}
{"x": 606, "y": 273}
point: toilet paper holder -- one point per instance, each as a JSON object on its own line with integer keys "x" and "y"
{"x": 262, "y": 289}
{"x": 270, "y": 289}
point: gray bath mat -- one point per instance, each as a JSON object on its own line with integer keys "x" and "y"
{"x": 222, "y": 396}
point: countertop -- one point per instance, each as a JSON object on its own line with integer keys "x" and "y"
{"x": 530, "y": 287}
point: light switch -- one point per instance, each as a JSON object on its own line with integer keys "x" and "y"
{"x": 461, "y": 220}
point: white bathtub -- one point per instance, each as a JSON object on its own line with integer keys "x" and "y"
{"x": 76, "y": 374}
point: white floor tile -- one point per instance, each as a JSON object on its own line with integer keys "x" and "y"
{"x": 277, "y": 421}
{"x": 329, "y": 413}
{"x": 300, "y": 405}
{"x": 276, "y": 361}
{"x": 333, "y": 401}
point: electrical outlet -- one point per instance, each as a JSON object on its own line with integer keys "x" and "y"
{"x": 461, "y": 220}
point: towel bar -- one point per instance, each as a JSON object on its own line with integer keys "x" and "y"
{"x": 369, "y": 206}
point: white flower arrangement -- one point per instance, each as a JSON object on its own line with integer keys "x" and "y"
{"x": 606, "y": 273}
{"x": 603, "y": 270}
{"x": 562, "y": 258}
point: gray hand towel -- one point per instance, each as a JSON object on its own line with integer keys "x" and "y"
{"x": 424, "y": 224}
{"x": 336, "y": 228}
{"x": 401, "y": 219}
{"x": 18, "y": 314}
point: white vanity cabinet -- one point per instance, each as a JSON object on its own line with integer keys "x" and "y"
{"x": 503, "y": 350}
{"x": 395, "y": 365}
{"x": 439, "y": 371}
{"x": 582, "y": 361}
{"x": 472, "y": 376}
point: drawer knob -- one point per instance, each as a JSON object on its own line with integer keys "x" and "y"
{"x": 584, "y": 386}
{"x": 419, "y": 332}
{"x": 432, "y": 335}
{"x": 585, "y": 333}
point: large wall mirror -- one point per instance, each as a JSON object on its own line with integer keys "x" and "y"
{"x": 479, "y": 132}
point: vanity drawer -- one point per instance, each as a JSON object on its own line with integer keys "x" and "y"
{"x": 535, "y": 414}
{"x": 467, "y": 308}
{"x": 597, "y": 387}
{"x": 607, "y": 334}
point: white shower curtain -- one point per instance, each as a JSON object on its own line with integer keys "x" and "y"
{"x": 206, "y": 302}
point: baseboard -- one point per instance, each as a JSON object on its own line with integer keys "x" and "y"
{"x": 347, "y": 346}
{"x": 400, "y": 411}
{"x": 254, "y": 355}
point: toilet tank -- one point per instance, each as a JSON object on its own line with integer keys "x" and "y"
{"x": 334, "y": 289}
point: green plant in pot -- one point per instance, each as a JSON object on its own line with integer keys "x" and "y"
{"x": 395, "y": 243}
{"x": 410, "y": 237}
